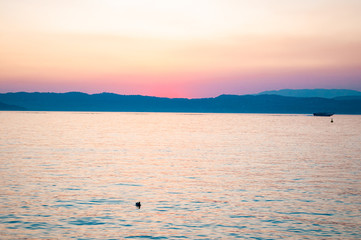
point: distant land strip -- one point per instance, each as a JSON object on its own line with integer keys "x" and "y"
{"x": 110, "y": 102}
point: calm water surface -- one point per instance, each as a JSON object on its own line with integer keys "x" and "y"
{"x": 70, "y": 175}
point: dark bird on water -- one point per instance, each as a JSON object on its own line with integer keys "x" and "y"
{"x": 138, "y": 205}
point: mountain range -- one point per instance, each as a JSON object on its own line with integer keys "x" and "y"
{"x": 260, "y": 103}
{"x": 324, "y": 93}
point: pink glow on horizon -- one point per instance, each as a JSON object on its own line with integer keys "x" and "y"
{"x": 195, "y": 87}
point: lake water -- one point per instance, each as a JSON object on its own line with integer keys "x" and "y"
{"x": 75, "y": 175}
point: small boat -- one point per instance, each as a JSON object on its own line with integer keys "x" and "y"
{"x": 323, "y": 114}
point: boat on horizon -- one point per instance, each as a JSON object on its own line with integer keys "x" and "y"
{"x": 323, "y": 114}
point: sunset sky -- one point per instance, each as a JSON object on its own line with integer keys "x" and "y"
{"x": 179, "y": 48}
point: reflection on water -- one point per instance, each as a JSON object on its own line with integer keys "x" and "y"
{"x": 197, "y": 176}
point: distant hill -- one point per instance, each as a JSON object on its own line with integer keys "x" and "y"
{"x": 324, "y": 93}
{"x": 7, "y": 107}
{"x": 348, "y": 98}
{"x": 76, "y": 101}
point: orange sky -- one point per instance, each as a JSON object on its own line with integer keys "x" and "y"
{"x": 188, "y": 48}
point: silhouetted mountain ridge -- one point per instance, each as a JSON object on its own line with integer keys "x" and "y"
{"x": 324, "y": 93}
{"x": 8, "y": 107}
{"x": 265, "y": 103}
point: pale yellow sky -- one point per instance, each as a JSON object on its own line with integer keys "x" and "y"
{"x": 186, "y": 18}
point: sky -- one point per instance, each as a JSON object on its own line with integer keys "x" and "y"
{"x": 172, "y": 48}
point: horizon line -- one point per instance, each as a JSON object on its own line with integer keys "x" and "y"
{"x": 229, "y": 94}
